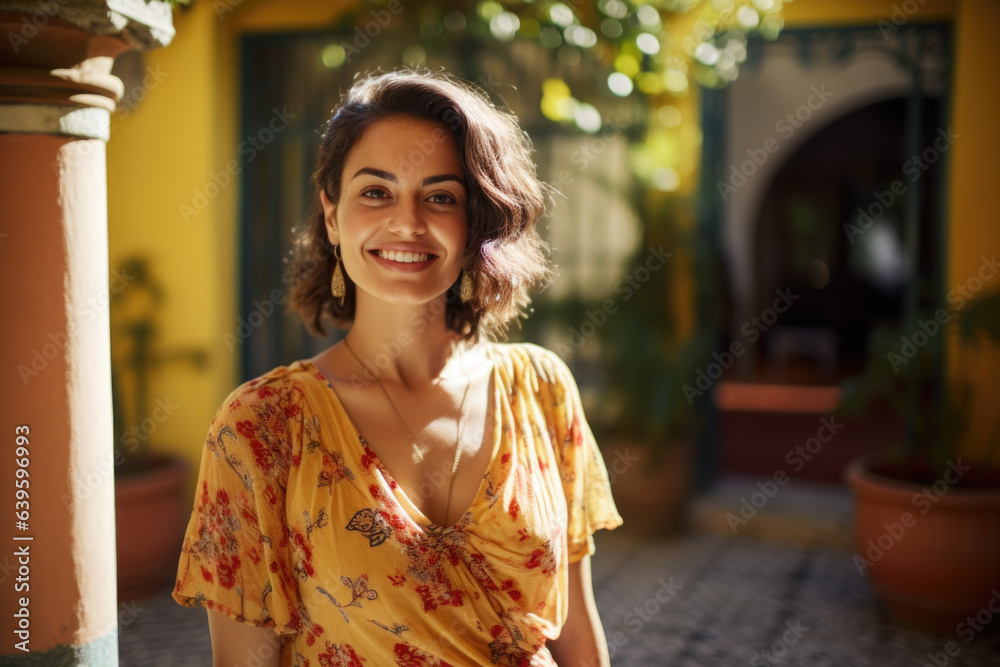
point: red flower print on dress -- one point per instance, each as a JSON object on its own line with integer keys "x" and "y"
{"x": 245, "y": 428}
{"x": 335, "y": 469}
{"x": 439, "y": 592}
{"x": 369, "y": 458}
{"x": 397, "y": 523}
{"x": 218, "y": 541}
{"x": 504, "y": 649}
{"x": 481, "y": 571}
{"x": 269, "y": 495}
{"x": 408, "y": 655}
{"x": 510, "y": 586}
{"x": 427, "y": 553}
{"x": 227, "y": 567}
{"x": 262, "y": 456}
{"x": 543, "y": 558}
{"x": 337, "y": 655}
{"x": 303, "y": 624}
{"x": 303, "y": 556}
{"x": 267, "y": 432}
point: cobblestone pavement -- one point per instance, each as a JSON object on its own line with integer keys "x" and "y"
{"x": 689, "y": 601}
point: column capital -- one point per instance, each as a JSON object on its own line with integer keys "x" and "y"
{"x": 56, "y": 58}
{"x": 141, "y": 24}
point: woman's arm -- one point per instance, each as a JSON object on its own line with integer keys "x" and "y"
{"x": 236, "y": 644}
{"x": 582, "y": 642}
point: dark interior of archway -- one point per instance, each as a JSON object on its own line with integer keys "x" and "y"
{"x": 845, "y": 288}
{"x": 850, "y": 279}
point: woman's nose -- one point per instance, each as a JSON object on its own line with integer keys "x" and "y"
{"x": 407, "y": 217}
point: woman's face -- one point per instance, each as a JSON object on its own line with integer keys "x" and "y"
{"x": 401, "y": 219}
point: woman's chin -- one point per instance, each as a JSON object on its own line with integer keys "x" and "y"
{"x": 406, "y": 298}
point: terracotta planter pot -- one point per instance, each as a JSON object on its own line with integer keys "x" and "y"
{"x": 652, "y": 497}
{"x": 930, "y": 549}
{"x": 150, "y": 517}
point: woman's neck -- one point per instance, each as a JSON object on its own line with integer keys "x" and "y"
{"x": 407, "y": 345}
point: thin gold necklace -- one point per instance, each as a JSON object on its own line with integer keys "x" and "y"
{"x": 461, "y": 422}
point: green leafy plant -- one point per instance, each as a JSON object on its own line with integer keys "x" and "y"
{"x": 633, "y": 52}
{"x": 636, "y": 357}
{"x": 645, "y": 369}
{"x": 910, "y": 378}
{"x": 135, "y": 305}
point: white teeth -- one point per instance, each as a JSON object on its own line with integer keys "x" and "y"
{"x": 404, "y": 257}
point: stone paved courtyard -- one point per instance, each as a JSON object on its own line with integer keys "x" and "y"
{"x": 691, "y": 601}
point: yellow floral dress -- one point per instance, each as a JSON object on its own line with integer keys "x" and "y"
{"x": 298, "y": 526}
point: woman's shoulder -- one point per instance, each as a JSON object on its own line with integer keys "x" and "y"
{"x": 286, "y": 386}
{"x": 530, "y": 361}
{"x": 259, "y": 425}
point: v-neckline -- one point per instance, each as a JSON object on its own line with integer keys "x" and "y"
{"x": 400, "y": 495}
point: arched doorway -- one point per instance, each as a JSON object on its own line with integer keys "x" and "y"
{"x": 831, "y": 231}
{"x": 814, "y": 186}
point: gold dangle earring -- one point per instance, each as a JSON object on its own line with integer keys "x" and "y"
{"x": 466, "y": 290}
{"x": 337, "y": 285}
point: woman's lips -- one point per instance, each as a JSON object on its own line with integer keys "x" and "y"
{"x": 403, "y": 267}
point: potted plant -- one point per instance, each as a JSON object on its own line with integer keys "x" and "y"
{"x": 150, "y": 507}
{"x": 648, "y": 433}
{"x": 927, "y": 517}
{"x": 625, "y": 348}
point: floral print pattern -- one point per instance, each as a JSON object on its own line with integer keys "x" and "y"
{"x": 297, "y": 526}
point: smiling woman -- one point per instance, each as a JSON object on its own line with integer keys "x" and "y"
{"x": 382, "y": 211}
{"x": 501, "y": 196}
{"x": 418, "y": 493}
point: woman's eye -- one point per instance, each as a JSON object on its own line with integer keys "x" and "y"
{"x": 439, "y": 198}
{"x": 444, "y": 199}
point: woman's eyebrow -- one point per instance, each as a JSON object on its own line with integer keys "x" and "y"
{"x": 430, "y": 180}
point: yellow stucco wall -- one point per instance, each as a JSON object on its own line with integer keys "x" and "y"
{"x": 809, "y": 13}
{"x": 162, "y": 153}
{"x": 157, "y": 156}
{"x": 973, "y": 220}
{"x": 186, "y": 129}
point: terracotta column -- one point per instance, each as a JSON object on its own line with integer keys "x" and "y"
{"x": 57, "y": 546}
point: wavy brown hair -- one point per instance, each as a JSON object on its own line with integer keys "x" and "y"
{"x": 504, "y": 255}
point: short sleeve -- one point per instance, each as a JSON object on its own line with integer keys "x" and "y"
{"x": 586, "y": 485}
{"x": 234, "y": 558}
